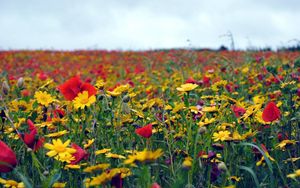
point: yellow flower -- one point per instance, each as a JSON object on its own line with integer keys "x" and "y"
{"x": 11, "y": 183}
{"x": 209, "y": 109}
{"x": 259, "y": 119}
{"x": 70, "y": 166}
{"x": 234, "y": 178}
{"x": 115, "y": 156}
{"x": 57, "y": 134}
{"x": 221, "y": 135}
{"x": 43, "y": 98}
{"x": 83, "y": 100}
{"x": 102, "y": 151}
{"x": 187, "y": 87}
{"x": 22, "y": 105}
{"x": 215, "y": 86}
{"x": 102, "y": 166}
{"x": 206, "y": 122}
{"x": 295, "y": 174}
{"x": 285, "y": 143}
{"x": 118, "y": 90}
{"x": 60, "y": 150}
{"x": 293, "y": 159}
{"x": 107, "y": 176}
{"x": 177, "y": 107}
{"x": 144, "y": 156}
{"x": 59, "y": 185}
{"x": 89, "y": 143}
{"x": 261, "y": 161}
{"x": 87, "y": 182}
{"x": 259, "y": 99}
{"x": 187, "y": 163}
{"x": 100, "y": 84}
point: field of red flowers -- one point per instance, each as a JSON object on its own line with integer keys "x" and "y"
{"x": 173, "y": 118}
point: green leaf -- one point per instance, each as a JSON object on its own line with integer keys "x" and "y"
{"x": 24, "y": 179}
{"x": 55, "y": 176}
{"x": 252, "y": 174}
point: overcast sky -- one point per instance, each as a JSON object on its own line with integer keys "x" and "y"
{"x": 147, "y": 24}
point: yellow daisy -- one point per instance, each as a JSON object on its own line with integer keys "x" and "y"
{"x": 221, "y": 135}
{"x": 60, "y": 150}
{"x": 83, "y": 100}
{"x": 57, "y": 134}
{"x": 43, "y": 98}
{"x": 102, "y": 166}
{"x": 59, "y": 185}
{"x": 11, "y": 183}
{"x": 144, "y": 156}
{"x": 187, "y": 87}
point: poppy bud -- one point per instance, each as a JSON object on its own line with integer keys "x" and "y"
{"x": 202, "y": 130}
{"x": 8, "y": 159}
{"x": 20, "y": 82}
{"x": 222, "y": 166}
{"x": 46, "y": 172}
{"x": 126, "y": 99}
{"x": 5, "y": 87}
{"x": 125, "y": 108}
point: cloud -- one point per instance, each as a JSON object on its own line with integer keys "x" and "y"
{"x": 142, "y": 24}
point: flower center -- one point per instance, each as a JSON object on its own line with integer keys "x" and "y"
{"x": 60, "y": 148}
{"x": 84, "y": 100}
{"x": 44, "y": 99}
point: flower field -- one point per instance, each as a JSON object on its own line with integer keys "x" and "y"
{"x": 174, "y": 118}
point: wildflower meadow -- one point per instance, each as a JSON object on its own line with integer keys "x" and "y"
{"x": 150, "y": 119}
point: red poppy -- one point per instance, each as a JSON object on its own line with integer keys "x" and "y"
{"x": 8, "y": 159}
{"x": 59, "y": 113}
{"x": 206, "y": 81}
{"x": 271, "y": 112}
{"x": 31, "y": 139}
{"x": 145, "y": 131}
{"x": 191, "y": 80}
{"x": 238, "y": 111}
{"x": 79, "y": 154}
{"x": 155, "y": 185}
{"x": 73, "y": 86}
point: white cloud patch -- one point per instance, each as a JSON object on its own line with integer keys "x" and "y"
{"x": 143, "y": 24}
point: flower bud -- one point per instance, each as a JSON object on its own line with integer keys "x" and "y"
{"x": 20, "y": 82}
{"x": 222, "y": 166}
{"x": 46, "y": 172}
{"x": 125, "y": 108}
{"x": 29, "y": 150}
{"x": 202, "y": 130}
{"x": 5, "y": 87}
{"x": 126, "y": 99}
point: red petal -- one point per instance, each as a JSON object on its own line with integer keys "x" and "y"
{"x": 8, "y": 158}
{"x": 38, "y": 144}
{"x": 70, "y": 88}
{"x": 30, "y": 125}
{"x": 79, "y": 155}
{"x": 238, "y": 111}
{"x": 145, "y": 131}
{"x": 271, "y": 112}
{"x": 89, "y": 88}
